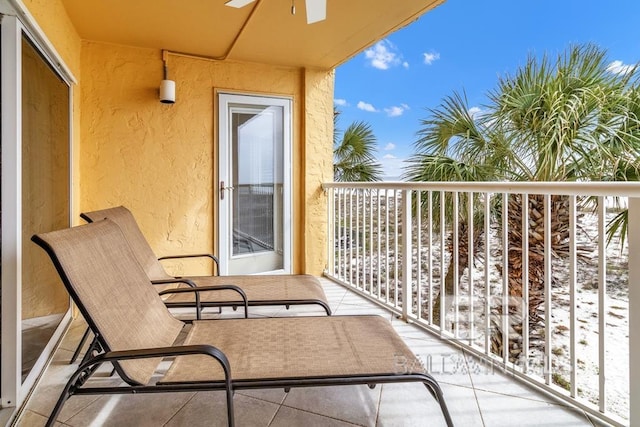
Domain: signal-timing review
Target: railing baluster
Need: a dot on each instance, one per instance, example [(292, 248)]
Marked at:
[(505, 277), (419, 254), (379, 238), (547, 289), (358, 205), (396, 259), (331, 236), (429, 257), (573, 333), (371, 257), (442, 264), (525, 282), (386, 258), (602, 303), (456, 264), (340, 231), (634, 310), (487, 274), (470, 215), (407, 254)]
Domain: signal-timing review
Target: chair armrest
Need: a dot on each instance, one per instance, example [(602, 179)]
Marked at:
[(214, 258), (87, 368), (146, 353), (198, 289)]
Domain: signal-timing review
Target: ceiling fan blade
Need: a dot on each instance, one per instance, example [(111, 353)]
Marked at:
[(238, 3), (316, 10)]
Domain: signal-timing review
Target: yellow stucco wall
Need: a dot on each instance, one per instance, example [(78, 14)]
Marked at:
[(161, 160), (318, 165)]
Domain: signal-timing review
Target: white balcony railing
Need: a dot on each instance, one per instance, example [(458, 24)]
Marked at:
[(571, 331)]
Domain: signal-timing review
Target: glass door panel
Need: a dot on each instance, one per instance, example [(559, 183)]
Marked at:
[(45, 199)]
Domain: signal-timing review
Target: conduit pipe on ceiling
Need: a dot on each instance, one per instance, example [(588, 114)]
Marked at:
[(229, 49)]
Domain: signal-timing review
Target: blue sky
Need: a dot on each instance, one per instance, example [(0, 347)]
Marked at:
[(467, 44)]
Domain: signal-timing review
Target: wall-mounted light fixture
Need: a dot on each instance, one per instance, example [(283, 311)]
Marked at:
[(167, 87)]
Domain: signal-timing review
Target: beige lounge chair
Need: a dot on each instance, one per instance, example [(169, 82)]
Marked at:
[(136, 331), (260, 290)]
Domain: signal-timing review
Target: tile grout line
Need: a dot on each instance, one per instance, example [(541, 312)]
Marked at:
[(320, 415), (274, 416), (379, 404), (181, 408), (475, 395)]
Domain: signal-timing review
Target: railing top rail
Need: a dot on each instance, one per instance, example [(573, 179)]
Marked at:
[(618, 189)]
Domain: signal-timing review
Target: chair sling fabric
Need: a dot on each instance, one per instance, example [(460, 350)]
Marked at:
[(136, 329), (260, 289)]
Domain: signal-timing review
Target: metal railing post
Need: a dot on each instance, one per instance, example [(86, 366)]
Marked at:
[(407, 250), (634, 310)]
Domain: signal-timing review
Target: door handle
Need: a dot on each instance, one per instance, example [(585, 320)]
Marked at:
[(222, 188)]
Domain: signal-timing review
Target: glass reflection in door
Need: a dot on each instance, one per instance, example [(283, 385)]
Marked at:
[(256, 180), (45, 198)]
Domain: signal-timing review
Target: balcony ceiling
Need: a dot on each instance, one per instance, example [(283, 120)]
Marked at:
[(271, 34)]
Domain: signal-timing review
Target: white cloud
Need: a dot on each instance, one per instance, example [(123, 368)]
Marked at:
[(365, 106), (383, 55), (396, 111), (405, 64), (392, 167), (618, 67), (474, 112), (390, 146), (340, 102), (430, 57)]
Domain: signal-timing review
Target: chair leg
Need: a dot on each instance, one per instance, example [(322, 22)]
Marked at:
[(66, 393), (230, 412), (436, 391), (80, 345)]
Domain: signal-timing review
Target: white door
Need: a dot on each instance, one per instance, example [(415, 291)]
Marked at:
[(254, 188)]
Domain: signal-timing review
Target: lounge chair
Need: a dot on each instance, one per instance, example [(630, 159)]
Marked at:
[(136, 331), (260, 290), (232, 291)]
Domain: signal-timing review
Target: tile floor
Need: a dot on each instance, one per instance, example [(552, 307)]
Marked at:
[(474, 399)]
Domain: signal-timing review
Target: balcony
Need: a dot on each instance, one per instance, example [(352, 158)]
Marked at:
[(567, 333), (476, 397), (552, 355)]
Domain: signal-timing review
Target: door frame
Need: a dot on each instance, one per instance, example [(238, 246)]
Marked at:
[(14, 27), (223, 99)]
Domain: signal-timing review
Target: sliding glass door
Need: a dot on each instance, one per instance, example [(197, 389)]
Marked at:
[(36, 198), (45, 198)]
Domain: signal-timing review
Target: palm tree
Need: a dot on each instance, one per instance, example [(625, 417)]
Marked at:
[(567, 120), (354, 153)]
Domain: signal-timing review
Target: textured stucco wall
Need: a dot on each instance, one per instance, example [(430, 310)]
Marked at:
[(161, 160), (318, 165)]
